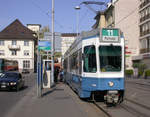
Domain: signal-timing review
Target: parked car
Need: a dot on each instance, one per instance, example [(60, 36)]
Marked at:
[(25, 71), (11, 80)]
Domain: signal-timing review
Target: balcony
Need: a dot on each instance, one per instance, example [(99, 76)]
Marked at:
[(144, 3), (14, 47), (144, 50), (144, 33)]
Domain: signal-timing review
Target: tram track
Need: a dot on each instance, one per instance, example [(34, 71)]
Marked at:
[(141, 84), (133, 111), (127, 109), (139, 104), (101, 107)]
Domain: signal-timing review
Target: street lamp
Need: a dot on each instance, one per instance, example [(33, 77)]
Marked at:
[(77, 8), (52, 43)]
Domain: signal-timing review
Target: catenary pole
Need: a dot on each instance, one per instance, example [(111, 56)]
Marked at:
[(52, 41)]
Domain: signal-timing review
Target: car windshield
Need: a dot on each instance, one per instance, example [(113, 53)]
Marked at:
[(110, 58), (9, 75)]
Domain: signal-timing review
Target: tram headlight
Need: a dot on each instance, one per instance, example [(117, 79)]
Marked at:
[(111, 84)]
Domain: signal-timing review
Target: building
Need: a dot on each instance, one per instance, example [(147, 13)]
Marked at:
[(144, 37), (18, 43), (105, 18), (123, 14), (127, 19), (67, 40), (34, 27)]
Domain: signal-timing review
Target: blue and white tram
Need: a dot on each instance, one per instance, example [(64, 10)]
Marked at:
[(94, 65)]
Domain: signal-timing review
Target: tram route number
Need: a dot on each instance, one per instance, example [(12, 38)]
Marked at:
[(111, 35)]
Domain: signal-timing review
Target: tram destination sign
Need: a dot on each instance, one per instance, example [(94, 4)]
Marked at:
[(110, 35)]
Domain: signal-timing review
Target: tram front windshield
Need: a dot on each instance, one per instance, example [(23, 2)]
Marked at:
[(110, 58)]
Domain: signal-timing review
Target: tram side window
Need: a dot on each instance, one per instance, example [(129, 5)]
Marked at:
[(74, 60), (80, 61), (90, 59), (65, 65)]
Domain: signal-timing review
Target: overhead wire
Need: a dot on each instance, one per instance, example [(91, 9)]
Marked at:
[(85, 14), (47, 14), (127, 15)]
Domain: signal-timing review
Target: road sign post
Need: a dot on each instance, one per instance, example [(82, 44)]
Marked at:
[(53, 41), (44, 45)]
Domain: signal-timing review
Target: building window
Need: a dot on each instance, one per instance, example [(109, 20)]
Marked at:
[(148, 25), (148, 42), (26, 52), (26, 64), (2, 52), (26, 43), (1, 42), (143, 43), (14, 42), (14, 52)]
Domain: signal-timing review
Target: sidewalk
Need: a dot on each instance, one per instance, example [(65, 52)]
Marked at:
[(56, 102)]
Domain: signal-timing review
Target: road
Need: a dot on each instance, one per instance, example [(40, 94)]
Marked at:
[(136, 100), (136, 103), (8, 99)]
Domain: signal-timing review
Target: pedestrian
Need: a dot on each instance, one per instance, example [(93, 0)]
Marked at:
[(56, 72), (61, 75)]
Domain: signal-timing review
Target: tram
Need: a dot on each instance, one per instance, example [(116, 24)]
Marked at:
[(94, 65)]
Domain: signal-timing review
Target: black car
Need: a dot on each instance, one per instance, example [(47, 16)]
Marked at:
[(11, 80)]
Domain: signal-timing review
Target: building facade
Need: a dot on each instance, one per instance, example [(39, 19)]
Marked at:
[(67, 40), (127, 19), (123, 14), (18, 43), (34, 27), (144, 37)]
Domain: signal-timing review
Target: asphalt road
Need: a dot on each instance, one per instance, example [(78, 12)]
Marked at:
[(136, 90), (8, 99)]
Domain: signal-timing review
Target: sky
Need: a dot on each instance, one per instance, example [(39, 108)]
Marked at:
[(39, 12)]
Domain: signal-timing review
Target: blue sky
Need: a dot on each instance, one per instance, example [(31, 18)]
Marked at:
[(39, 12)]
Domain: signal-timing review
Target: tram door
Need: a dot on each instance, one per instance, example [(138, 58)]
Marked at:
[(47, 74)]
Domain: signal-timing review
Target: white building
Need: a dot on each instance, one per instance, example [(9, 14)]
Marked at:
[(127, 19), (18, 43), (67, 40), (34, 27)]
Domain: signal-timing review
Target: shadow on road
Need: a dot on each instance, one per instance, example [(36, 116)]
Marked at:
[(13, 90)]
